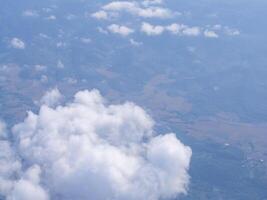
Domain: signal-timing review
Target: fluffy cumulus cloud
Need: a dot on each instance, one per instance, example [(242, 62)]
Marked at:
[(9, 164), (17, 43), (88, 149), (51, 98), (147, 9), (121, 30), (28, 186), (152, 30)]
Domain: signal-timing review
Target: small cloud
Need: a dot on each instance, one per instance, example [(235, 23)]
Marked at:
[(231, 31), (51, 98), (210, 34), (177, 29), (135, 8), (51, 17), (121, 30), (4, 68), (152, 30), (217, 27), (86, 40), (135, 43), (100, 15), (30, 13), (101, 30), (40, 67), (155, 12), (191, 31), (151, 2), (191, 49), (42, 35), (70, 17), (47, 10), (70, 80), (60, 64), (17, 43), (44, 79), (61, 44)]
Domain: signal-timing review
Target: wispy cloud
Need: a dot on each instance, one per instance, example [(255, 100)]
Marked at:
[(135, 43)]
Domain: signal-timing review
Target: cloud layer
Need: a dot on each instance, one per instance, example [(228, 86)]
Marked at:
[(88, 149)]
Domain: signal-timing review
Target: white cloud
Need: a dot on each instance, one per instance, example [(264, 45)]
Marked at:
[(217, 27), (42, 35), (121, 5), (210, 34), (101, 30), (48, 10), (154, 12), (70, 80), (152, 30), (44, 79), (100, 15), (121, 30), (191, 31), (135, 43), (182, 29), (30, 13), (231, 32), (86, 40), (225, 29), (9, 164), (28, 187), (135, 8), (17, 43), (71, 16), (51, 98), (40, 67), (60, 64), (88, 149), (177, 29), (51, 17), (151, 2), (61, 44)]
